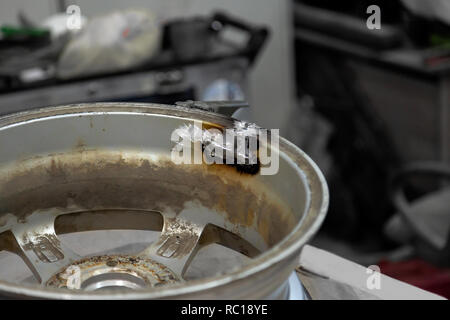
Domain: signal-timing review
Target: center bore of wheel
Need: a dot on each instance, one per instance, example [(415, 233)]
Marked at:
[(113, 272)]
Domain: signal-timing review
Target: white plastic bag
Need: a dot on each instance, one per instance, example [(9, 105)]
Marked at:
[(109, 43)]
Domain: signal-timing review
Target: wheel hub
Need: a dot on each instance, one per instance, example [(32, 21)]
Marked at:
[(113, 271)]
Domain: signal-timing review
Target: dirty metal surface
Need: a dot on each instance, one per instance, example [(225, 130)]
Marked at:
[(76, 275)]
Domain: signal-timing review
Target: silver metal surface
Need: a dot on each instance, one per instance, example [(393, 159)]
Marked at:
[(223, 107), (107, 167)]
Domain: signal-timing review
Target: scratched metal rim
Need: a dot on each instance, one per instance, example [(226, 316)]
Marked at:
[(279, 260)]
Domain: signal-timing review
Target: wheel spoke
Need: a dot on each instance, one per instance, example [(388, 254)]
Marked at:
[(41, 248), (177, 243)]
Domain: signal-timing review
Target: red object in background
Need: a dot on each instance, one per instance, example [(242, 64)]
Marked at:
[(420, 274), (125, 32)]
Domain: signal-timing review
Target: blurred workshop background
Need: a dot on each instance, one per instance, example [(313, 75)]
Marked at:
[(366, 93)]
